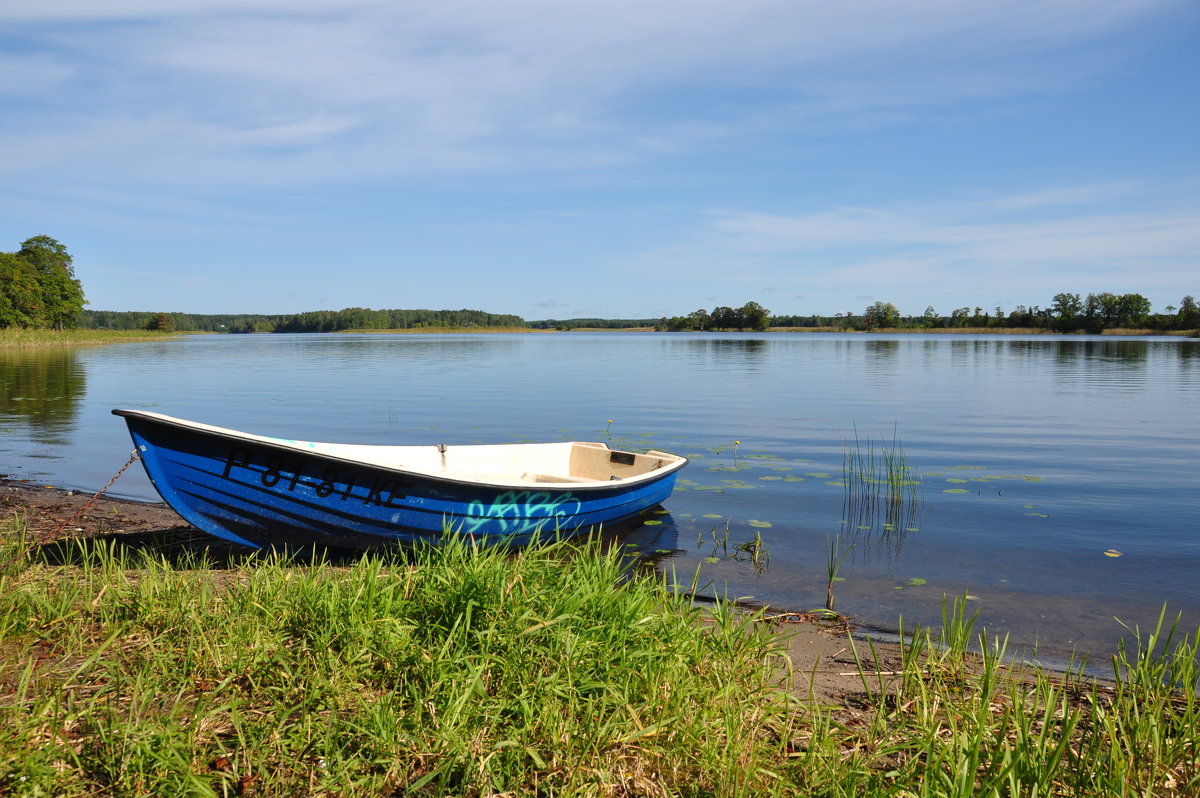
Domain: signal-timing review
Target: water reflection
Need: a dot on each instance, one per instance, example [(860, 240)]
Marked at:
[(881, 526), (1074, 446), (40, 393), (729, 347), (883, 347)]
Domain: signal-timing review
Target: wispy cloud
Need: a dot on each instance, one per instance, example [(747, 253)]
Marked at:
[(1078, 242), (373, 88)]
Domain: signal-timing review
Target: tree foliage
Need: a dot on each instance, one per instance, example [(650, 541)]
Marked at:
[(881, 314), (750, 316), (161, 322), (309, 322), (38, 287)]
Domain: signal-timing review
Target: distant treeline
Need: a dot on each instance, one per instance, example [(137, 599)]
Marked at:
[(599, 324), (312, 321), (1067, 313)]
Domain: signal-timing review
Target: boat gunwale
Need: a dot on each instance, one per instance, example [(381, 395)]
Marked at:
[(296, 448)]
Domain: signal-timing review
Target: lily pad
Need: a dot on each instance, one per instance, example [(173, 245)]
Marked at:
[(956, 490), (652, 522), (712, 559), (916, 581), (957, 481), (759, 524)]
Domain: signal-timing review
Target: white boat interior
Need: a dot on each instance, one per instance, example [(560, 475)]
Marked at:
[(573, 462), (511, 464)]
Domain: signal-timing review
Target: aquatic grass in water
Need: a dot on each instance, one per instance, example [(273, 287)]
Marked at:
[(882, 489), (21, 338), (833, 564)]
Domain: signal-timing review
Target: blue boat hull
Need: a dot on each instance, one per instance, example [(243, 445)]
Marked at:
[(258, 493)]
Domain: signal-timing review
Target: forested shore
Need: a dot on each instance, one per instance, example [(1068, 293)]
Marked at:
[(1068, 313), (39, 291)]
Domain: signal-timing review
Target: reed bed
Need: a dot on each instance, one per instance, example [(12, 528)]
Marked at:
[(549, 672), (439, 330), (883, 491), (19, 338)]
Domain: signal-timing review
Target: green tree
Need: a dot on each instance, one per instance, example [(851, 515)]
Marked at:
[(753, 316), (20, 303), (1188, 315), (1132, 310), (60, 294), (699, 319), (881, 314), (722, 318), (1068, 311), (161, 322)]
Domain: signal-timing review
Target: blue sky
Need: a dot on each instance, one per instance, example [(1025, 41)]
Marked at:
[(609, 158)]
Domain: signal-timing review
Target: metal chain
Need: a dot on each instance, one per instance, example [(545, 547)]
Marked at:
[(132, 459)]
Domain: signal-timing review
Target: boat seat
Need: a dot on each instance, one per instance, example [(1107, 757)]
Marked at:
[(552, 478)]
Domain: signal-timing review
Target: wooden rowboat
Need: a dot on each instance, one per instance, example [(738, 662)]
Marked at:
[(259, 491)]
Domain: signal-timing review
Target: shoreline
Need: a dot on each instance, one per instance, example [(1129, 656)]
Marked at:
[(23, 340), (822, 657), (227, 668)]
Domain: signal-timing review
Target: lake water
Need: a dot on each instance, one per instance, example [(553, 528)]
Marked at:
[(1038, 458)]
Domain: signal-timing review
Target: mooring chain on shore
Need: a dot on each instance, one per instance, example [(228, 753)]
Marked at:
[(74, 517)]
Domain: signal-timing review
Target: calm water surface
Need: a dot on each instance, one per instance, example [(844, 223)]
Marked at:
[(1035, 456)]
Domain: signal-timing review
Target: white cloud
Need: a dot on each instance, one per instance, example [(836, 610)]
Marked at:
[(378, 87)]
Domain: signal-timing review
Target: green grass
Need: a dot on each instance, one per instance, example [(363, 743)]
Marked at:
[(18, 338), (461, 672), (550, 672)]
